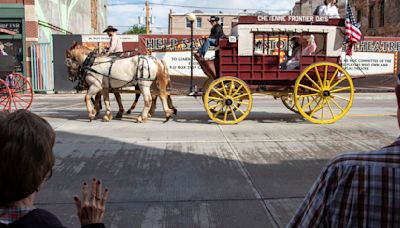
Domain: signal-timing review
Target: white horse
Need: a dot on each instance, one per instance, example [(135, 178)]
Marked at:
[(106, 73)]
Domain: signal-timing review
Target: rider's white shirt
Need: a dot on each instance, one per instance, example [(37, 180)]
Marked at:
[(115, 44), (328, 10)]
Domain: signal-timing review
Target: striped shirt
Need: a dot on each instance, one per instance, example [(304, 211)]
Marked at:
[(355, 190)]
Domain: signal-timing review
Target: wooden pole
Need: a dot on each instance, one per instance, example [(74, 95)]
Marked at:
[(147, 18)]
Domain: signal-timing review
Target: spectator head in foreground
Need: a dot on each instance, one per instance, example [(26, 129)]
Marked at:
[(26, 162)]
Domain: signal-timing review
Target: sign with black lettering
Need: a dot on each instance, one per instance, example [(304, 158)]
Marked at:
[(12, 26)]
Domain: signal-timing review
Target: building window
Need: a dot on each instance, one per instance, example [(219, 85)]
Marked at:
[(187, 23), (198, 22), (382, 14), (359, 16), (371, 17)]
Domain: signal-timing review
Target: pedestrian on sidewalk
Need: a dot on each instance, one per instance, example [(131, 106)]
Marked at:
[(26, 162), (356, 190)]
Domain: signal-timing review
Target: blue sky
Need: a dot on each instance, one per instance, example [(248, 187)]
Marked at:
[(123, 16)]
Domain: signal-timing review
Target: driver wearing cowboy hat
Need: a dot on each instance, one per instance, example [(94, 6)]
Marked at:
[(115, 41), (213, 38)]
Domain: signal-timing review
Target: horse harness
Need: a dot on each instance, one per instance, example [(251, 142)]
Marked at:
[(90, 61)]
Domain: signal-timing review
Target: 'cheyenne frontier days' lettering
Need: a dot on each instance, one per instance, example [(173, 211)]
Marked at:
[(292, 18)]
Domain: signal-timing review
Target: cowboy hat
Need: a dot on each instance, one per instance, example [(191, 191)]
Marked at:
[(110, 29), (213, 18)]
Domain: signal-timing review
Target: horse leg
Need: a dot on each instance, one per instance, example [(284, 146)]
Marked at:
[(134, 103), (153, 106), (108, 116), (171, 105), (120, 105), (145, 89), (97, 103), (91, 112)]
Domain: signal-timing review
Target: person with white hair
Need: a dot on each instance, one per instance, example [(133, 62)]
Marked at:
[(311, 46), (329, 9)]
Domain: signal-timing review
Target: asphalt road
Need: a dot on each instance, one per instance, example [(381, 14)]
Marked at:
[(191, 172)]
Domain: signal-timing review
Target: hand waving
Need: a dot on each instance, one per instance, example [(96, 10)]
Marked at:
[(93, 204)]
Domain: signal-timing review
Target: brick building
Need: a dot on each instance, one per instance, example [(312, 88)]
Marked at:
[(179, 25), (377, 17), (27, 26)]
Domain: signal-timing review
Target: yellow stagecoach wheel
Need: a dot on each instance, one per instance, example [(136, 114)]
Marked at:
[(288, 101), (223, 98), (330, 91)]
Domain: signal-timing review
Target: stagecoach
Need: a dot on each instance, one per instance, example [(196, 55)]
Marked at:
[(15, 90), (254, 59)]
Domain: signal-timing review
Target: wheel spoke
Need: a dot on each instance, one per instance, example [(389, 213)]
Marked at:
[(216, 91), (240, 96), (232, 86), (316, 109), (237, 91), (309, 104), (309, 88), (237, 108), (242, 103), (319, 77), (233, 113), (337, 105), (21, 99), (218, 112), (215, 98), (312, 81), (333, 78), (338, 82), (214, 106), (224, 89), (226, 114), (308, 95), (330, 109), (341, 89), (322, 109), (325, 75), (340, 97)]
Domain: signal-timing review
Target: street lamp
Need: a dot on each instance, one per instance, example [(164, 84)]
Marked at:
[(191, 17)]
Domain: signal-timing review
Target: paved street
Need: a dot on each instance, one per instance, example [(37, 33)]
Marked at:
[(191, 172)]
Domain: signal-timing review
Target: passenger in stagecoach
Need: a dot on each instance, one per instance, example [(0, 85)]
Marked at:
[(2, 52), (329, 9), (294, 60), (115, 41), (213, 39), (311, 46)]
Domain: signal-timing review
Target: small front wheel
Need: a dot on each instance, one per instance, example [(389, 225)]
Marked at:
[(228, 100)]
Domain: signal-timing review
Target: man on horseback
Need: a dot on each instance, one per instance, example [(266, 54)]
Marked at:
[(115, 41)]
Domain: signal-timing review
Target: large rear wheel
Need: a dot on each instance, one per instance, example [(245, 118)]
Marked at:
[(329, 90), (228, 100), (21, 91), (5, 97)]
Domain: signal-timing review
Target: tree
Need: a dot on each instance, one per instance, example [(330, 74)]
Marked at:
[(136, 29)]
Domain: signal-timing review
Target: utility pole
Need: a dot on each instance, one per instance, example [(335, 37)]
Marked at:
[(147, 18)]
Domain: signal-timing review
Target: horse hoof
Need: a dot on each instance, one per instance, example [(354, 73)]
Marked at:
[(167, 119), (118, 116), (129, 111), (175, 111)]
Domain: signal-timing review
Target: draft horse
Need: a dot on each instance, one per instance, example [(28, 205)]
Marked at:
[(103, 73)]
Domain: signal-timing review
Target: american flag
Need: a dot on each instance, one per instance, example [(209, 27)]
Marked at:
[(353, 33)]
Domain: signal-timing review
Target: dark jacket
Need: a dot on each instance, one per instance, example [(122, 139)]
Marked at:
[(40, 218), (216, 32)]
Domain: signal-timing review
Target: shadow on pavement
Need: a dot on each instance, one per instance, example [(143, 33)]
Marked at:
[(161, 184)]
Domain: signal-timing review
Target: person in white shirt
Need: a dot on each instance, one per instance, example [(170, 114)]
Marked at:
[(327, 9), (115, 41)]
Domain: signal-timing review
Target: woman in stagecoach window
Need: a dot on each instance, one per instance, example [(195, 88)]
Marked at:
[(2, 52), (311, 46), (329, 9), (294, 60)]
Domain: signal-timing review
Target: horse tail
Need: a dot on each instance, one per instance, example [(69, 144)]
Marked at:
[(166, 72)]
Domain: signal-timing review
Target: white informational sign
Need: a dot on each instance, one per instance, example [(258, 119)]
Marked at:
[(105, 38), (179, 63), (369, 63)]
